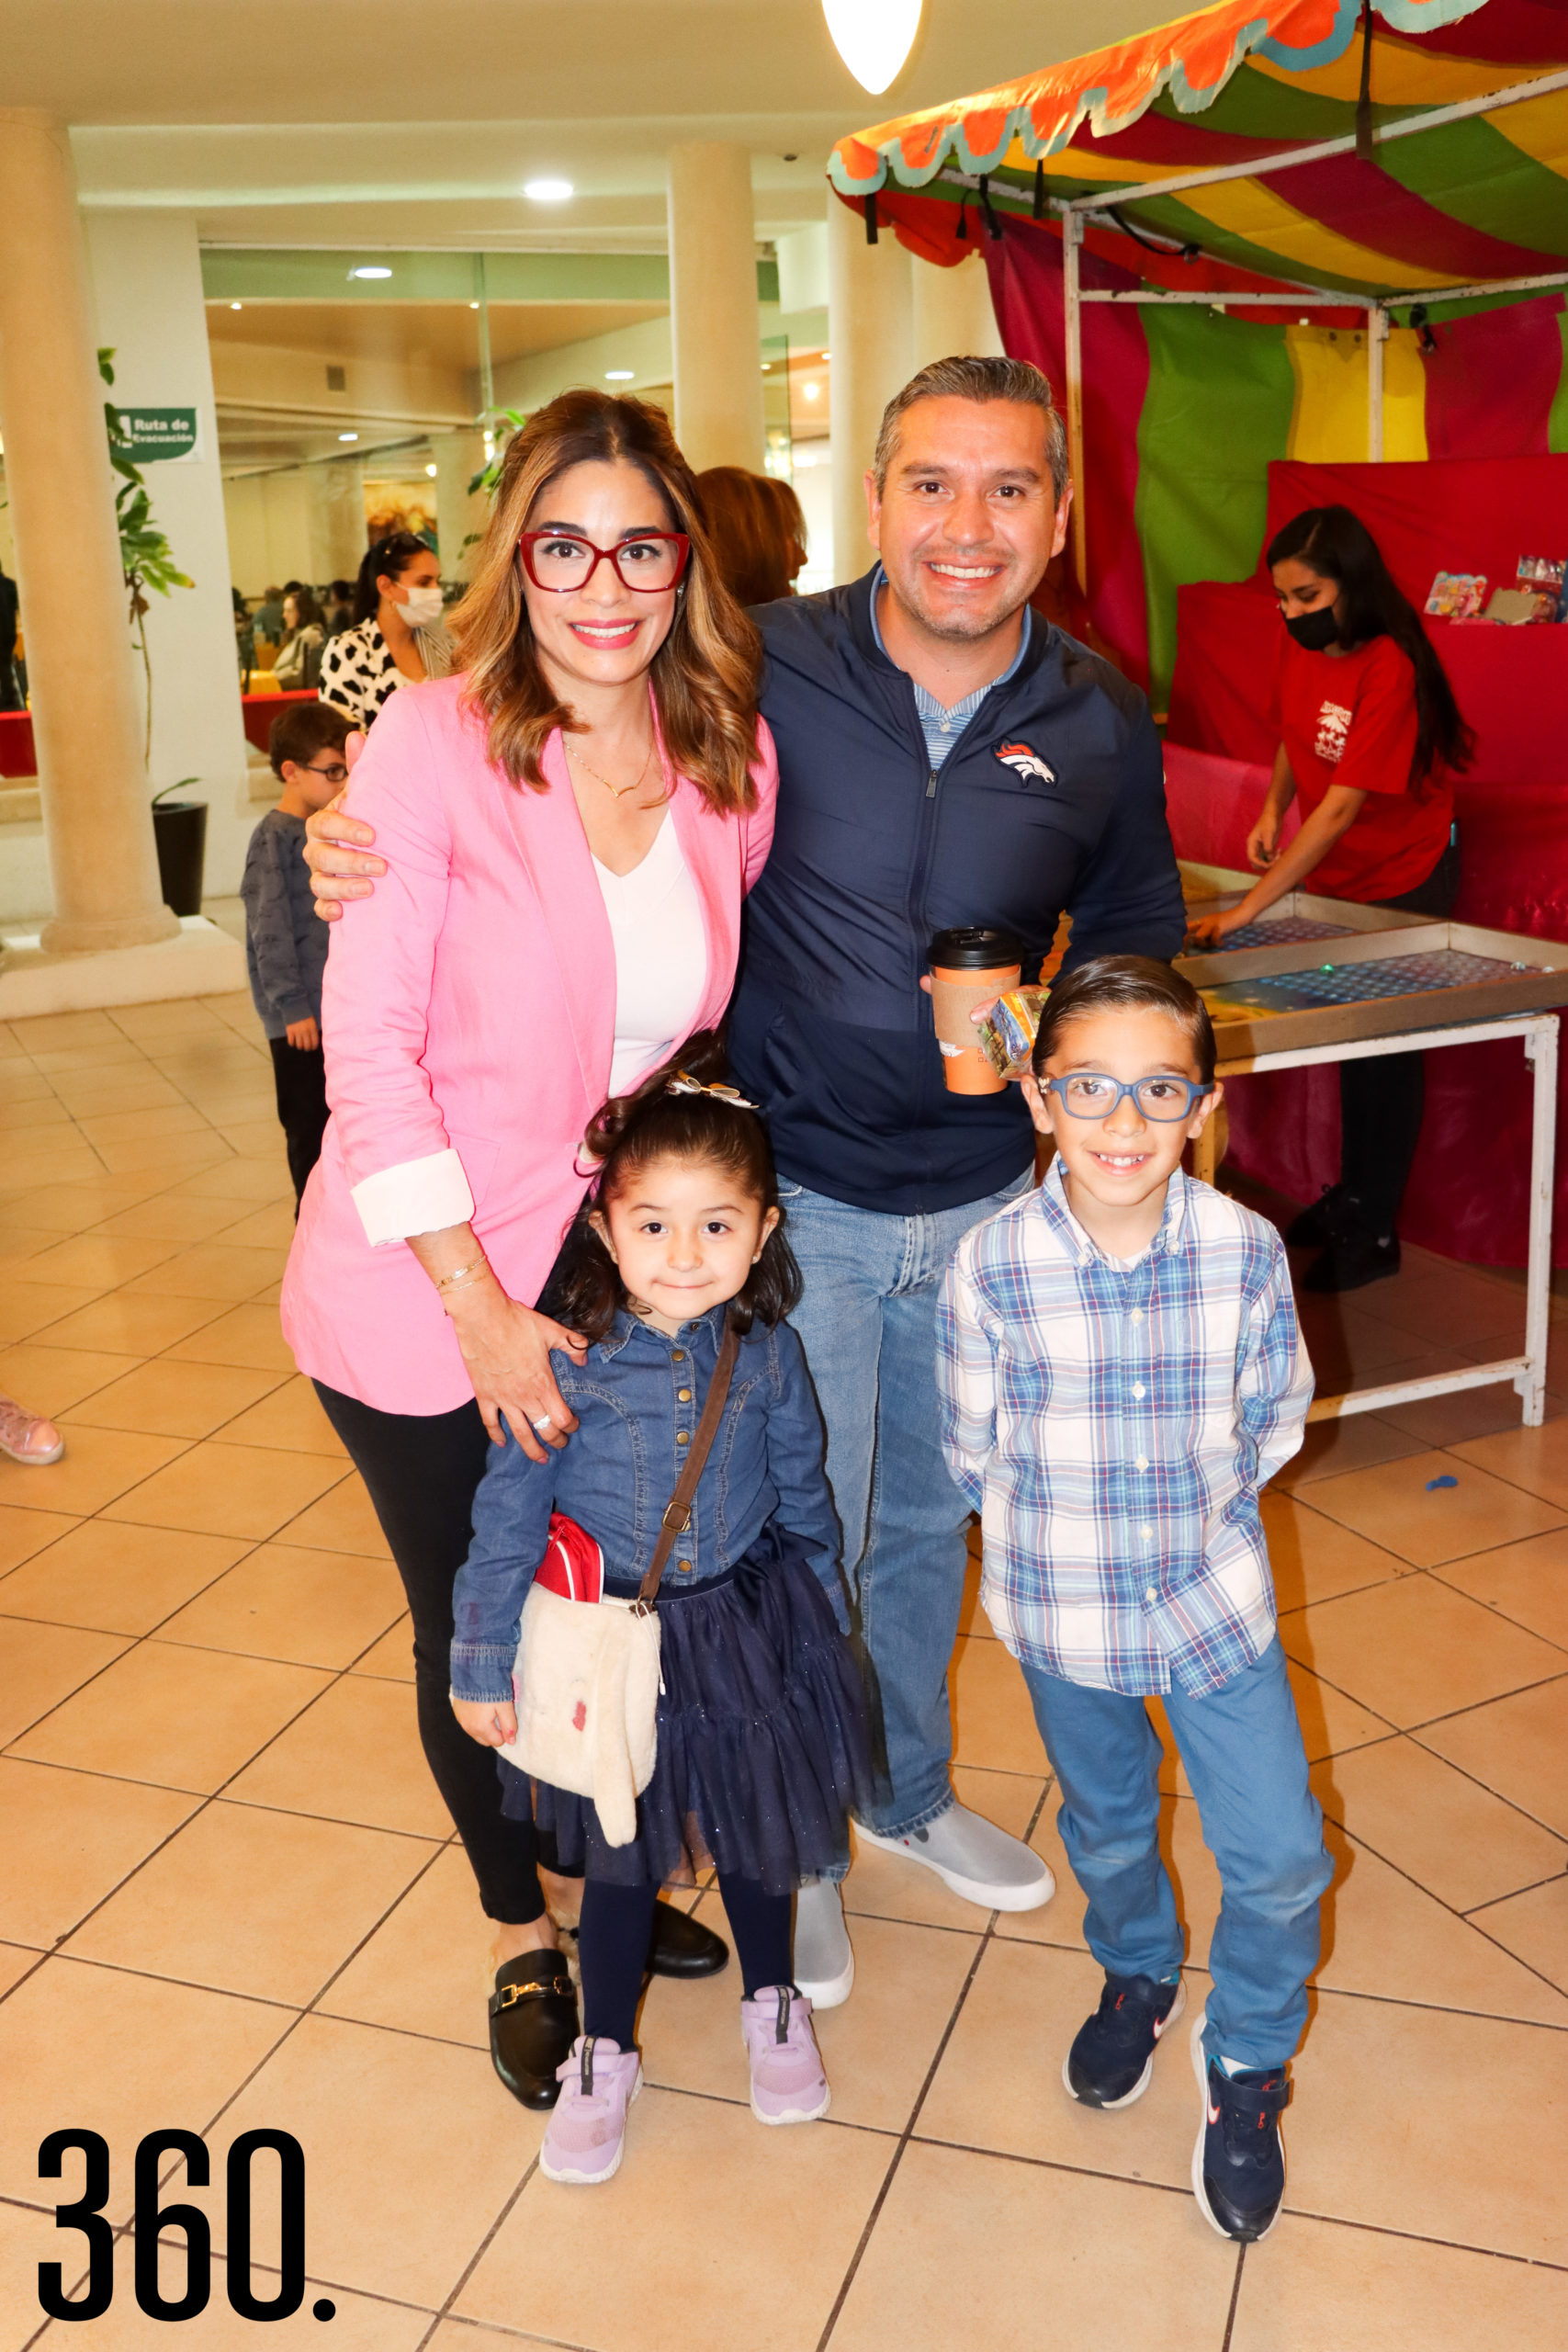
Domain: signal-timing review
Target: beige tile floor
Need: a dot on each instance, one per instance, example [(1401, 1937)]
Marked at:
[(229, 1896)]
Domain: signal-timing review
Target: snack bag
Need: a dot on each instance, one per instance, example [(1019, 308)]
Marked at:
[(1005, 1037)]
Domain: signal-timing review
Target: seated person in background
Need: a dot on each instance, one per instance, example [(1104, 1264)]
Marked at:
[(269, 615), (285, 947), (754, 545), (245, 634), (340, 607), (10, 690), (304, 636)]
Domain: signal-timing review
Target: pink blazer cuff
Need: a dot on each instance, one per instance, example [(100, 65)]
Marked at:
[(416, 1197)]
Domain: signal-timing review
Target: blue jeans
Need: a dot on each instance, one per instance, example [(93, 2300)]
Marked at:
[(868, 1325), (1241, 1747)]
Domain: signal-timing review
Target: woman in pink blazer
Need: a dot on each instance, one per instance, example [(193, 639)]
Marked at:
[(570, 827)]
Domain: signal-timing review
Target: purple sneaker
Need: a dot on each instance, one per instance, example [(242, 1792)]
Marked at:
[(788, 2084), (587, 2129)]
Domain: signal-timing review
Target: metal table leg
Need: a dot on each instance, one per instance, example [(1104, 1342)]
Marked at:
[(1540, 1048), (1528, 1371)]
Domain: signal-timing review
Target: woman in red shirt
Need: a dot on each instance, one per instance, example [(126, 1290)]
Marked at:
[(1369, 734)]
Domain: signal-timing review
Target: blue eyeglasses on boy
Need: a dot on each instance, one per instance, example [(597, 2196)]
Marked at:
[(1092, 1094)]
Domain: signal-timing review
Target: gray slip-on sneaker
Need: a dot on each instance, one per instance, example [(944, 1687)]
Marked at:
[(824, 1960), (977, 1859)]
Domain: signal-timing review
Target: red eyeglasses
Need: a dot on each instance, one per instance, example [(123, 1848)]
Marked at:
[(560, 560)]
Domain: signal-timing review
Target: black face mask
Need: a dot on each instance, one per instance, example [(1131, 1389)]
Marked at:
[(1315, 631)]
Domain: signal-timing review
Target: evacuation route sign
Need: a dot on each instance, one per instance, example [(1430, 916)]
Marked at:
[(146, 434)]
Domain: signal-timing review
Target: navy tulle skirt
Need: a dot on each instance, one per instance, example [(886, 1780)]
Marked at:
[(763, 1747)]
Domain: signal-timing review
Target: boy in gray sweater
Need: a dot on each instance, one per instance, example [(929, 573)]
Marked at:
[(286, 943)]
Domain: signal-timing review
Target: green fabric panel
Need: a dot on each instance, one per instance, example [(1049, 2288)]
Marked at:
[(1557, 415), (1470, 171), (1256, 105), (1218, 408)]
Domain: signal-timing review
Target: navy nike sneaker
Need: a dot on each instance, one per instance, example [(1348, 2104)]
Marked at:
[(1238, 2164), (1113, 2054)]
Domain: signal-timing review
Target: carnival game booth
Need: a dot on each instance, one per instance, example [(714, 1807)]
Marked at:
[(1281, 254)]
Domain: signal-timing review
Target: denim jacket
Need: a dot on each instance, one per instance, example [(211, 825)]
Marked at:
[(637, 1400)]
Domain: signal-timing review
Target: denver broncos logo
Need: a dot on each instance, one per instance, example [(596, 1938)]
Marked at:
[(1025, 761)]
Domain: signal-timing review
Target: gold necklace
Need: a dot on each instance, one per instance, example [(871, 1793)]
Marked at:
[(620, 790)]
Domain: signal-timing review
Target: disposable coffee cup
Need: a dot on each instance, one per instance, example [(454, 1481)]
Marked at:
[(970, 966)]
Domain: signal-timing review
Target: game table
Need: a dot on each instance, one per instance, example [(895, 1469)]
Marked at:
[(1322, 980)]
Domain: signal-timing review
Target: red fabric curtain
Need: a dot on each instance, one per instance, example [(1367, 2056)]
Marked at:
[(1473, 514), (1025, 269), (17, 755), (1453, 514), (1491, 380)]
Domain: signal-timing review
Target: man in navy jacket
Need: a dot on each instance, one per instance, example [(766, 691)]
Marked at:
[(945, 757)]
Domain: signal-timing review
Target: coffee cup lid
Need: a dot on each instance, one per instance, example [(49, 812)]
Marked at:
[(975, 948)]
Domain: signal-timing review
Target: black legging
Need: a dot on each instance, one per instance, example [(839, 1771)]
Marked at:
[(1382, 1100), (612, 1947), (421, 1470)]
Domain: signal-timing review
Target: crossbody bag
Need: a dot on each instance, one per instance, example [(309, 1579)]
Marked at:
[(586, 1680)]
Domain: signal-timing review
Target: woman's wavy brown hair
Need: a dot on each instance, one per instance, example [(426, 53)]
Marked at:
[(705, 673)]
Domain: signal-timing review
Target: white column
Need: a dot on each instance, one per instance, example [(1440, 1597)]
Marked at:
[(146, 272), (458, 457), (1376, 344), (713, 306), (871, 331), (334, 510), (953, 313), (86, 723), (1072, 365)]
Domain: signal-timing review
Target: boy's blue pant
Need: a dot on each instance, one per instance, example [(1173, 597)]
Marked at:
[(1241, 1747)]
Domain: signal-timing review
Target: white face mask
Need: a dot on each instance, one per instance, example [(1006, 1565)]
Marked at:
[(422, 607)]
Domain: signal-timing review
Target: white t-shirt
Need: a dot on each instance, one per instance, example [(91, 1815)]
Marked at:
[(661, 956)]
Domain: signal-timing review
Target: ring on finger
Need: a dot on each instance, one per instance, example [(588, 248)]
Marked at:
[(543, 1423)]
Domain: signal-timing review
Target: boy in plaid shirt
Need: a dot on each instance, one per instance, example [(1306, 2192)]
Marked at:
[(1121, 1373)]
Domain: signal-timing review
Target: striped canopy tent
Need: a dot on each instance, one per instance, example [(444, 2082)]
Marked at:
[(1273, 221)]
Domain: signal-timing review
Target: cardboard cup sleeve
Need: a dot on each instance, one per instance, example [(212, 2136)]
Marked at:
[(952, 1001)]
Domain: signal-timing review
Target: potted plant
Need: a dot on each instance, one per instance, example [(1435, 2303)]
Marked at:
[(145, 555), (179, 828), (148, 561)]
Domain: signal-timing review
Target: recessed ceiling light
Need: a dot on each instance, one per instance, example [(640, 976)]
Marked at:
[(548, 191), (349, 436), (812, 392), (239, 306), (620, 376), (473, 306), (767, 367), (371, 269), (431, 471)]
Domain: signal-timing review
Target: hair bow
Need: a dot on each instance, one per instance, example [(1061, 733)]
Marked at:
[(683, 1084)]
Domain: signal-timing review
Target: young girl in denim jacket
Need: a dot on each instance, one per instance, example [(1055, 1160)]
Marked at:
[(761, 1747)]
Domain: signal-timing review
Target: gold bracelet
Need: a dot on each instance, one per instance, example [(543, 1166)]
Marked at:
[(462, 1277)]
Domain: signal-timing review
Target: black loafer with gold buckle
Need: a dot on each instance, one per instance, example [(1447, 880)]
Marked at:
[(533, 2024)]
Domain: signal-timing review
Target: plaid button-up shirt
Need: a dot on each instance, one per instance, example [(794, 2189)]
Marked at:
[(1114, 1425)]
